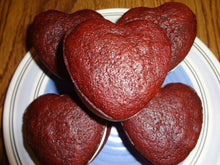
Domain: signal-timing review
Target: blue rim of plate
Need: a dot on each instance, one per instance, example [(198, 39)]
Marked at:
[(114, 147)]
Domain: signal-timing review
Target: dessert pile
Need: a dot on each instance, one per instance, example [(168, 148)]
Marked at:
[(117, 70)]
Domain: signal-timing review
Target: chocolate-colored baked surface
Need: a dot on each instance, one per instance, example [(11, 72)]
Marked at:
[(117, 69), (47, 32), (59, 132), (177, 20), (168, 128)]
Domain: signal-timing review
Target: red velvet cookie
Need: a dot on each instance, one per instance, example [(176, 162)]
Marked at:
[(48, 30), (168, 128), (177, 20), (117, 69), (60, 132)]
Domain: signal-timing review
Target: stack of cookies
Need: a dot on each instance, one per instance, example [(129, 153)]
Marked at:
[(117, 70)]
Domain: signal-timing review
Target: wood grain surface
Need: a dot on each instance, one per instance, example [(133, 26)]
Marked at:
[(16, 17)]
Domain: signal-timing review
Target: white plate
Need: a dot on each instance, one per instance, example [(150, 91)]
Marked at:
[(200, 69)]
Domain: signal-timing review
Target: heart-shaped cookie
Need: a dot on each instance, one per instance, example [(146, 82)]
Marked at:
[(168, 128), (117, 69), (60, 132), (47, 32), (177, 20)]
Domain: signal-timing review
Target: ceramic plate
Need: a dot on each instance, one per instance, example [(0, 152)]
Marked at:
[(200, 69)]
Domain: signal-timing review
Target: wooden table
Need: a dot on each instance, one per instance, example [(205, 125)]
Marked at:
[(17, 15)]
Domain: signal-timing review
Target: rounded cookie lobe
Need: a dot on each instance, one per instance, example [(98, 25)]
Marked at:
[(59, 132), (168, 128), (117, 69), (177, 20), (47, 32)]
